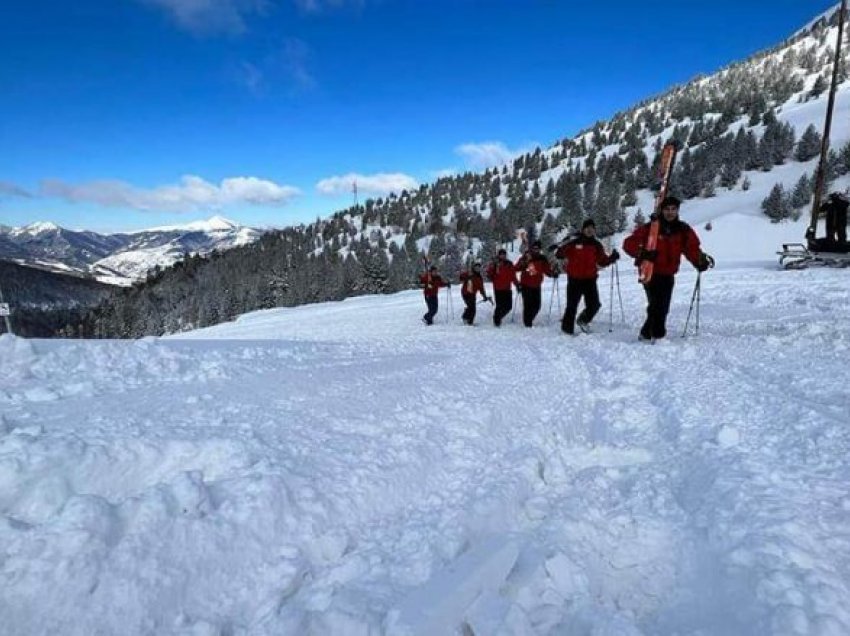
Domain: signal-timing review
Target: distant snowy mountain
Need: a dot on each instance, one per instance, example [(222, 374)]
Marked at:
[(118, 258)]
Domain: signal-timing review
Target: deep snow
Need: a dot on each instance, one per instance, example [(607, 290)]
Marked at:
[(343, 469)]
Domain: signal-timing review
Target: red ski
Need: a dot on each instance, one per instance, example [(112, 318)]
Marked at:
[(665, 169)]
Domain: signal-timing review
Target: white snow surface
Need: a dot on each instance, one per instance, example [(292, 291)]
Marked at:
[(213, 224), (342, 469)]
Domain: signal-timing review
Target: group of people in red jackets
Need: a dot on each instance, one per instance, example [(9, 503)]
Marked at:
[(582, 257)]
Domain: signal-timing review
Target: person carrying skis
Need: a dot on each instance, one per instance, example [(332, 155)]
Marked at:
[(675, 238), (583, 255), (431, 282), (471, 283), (502, 274), (532, 267)]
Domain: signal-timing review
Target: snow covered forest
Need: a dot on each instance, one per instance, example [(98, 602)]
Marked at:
[(750, 138)]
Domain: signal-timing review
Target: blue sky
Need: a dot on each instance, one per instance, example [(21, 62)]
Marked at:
[(128, 114)]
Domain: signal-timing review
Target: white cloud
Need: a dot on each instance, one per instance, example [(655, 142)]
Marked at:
[(289, 62), (210, 17), (296, 59), (489, 154), (380, 184), (316, 6), (445, 172), (13, 190), (192, 193), (215, 17), (251, 77)]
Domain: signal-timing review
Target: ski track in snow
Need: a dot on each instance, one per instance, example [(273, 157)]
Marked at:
[(341, 469)]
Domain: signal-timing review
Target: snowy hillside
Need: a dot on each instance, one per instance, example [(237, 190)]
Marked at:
[(341, 469), (162, 247), (119, 259)]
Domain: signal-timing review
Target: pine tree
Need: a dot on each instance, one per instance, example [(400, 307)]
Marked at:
[(818, 87), (802, 193), (777, 205), (844, 159), (809, 145), (588, 198)]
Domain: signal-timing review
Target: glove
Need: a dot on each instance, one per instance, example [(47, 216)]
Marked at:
[(705, 262), (553, 247), (615, 255), (519, 288), (556, 274), (449, 285), (647, 255)]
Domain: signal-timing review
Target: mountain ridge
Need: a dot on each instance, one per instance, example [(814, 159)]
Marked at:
[(122, 257)]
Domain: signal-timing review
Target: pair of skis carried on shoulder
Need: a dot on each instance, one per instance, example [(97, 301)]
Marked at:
[(665, 171)]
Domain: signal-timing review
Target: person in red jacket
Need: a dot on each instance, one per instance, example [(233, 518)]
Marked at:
[(470, 284), (431, 282), (675, 238), (502, 274), (583, 256), (532, 267)]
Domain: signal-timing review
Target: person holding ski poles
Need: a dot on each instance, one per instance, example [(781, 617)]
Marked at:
[(532, 267), (675, 238), (583, 255), (471, 283), (431, 282), (502, 274)]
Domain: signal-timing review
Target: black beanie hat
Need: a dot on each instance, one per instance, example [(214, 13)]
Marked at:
[(670, 200), (588, 223)]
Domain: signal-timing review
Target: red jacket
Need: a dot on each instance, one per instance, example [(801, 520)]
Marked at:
[(584, 256), (431, 283), (502, 273), (471, 284), (674, 239), (532, 268)]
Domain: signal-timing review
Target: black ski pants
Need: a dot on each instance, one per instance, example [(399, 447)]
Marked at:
[(530, 304), (841, 225), (836, 223), (659, 291), (433, 304), (578, 288), (504, 304), (468, 313)]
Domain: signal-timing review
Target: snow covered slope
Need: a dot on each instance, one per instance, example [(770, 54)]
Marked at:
[(119, 258), (342, 469)]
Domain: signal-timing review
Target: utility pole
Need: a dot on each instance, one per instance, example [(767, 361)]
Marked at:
[(820, 175)]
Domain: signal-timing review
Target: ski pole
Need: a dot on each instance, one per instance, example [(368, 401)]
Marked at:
[(619, 293), (558, 293), (699, 294), (611, 303), (694, 298), (551, 298)]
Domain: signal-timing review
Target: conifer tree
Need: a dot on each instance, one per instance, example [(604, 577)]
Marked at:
[(809, 145), (802, 193), (777, 205)]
